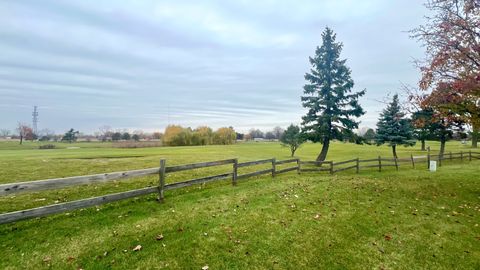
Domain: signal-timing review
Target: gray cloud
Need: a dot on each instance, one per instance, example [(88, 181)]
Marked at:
[(145, 64)]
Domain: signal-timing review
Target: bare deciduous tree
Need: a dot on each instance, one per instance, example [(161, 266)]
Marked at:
[(4, 132), (104, 132), (24, 132)]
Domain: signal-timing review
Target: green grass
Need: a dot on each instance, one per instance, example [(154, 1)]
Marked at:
[(410, 219)]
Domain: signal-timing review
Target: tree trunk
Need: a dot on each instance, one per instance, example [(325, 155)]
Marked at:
[(323, 154), (423, 145), (475, 136), (21, 139), (394, 150), (443, 140)]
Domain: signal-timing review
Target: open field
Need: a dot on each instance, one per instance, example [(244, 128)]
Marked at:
[(86, 158), (390, 220)]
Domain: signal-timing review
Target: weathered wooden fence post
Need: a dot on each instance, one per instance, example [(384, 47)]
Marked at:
[(161, 180), (331, 167), (274, 167), (451, 155), (298, 166), (235, 172), (413, 161), (379, 164), (358, 165), (470, 155)]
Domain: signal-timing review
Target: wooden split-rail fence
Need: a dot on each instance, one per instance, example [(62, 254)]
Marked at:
[(163, 170)]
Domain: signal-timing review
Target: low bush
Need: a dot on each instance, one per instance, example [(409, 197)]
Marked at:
[(47, 146)]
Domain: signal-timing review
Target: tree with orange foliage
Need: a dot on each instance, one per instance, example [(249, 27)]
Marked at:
[(202, 136), (451, 69), (225, 135), (176, 136)]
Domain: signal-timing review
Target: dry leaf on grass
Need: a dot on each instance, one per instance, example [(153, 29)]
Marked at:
[(137, 248), (205, 267), (159, 237)]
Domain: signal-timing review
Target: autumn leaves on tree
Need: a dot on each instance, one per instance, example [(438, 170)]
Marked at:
[(179, 136), (451, 70)]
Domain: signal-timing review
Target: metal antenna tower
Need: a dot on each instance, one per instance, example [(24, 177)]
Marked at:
[(35, 119)]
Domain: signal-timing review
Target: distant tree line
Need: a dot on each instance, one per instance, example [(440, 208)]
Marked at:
[(176, 135), (106, 133), (274, 134)]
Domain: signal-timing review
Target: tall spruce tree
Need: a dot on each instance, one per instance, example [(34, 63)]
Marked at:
[(394, 128), (328, 96)]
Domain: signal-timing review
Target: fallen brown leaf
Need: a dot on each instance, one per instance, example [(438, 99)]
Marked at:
[(388, 237), (137, 248), (159, 237)]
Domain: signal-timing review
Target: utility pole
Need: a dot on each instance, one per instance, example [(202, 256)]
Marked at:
[(35, 120)]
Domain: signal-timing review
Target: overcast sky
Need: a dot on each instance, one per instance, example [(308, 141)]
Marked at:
[(145, 64)]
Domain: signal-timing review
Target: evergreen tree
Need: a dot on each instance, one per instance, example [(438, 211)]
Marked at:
[(117, 136), (369, 135), (292, 138), (126, 136), (424, 126), (328, 96), (393, 128), (70, 136), (136, 137)]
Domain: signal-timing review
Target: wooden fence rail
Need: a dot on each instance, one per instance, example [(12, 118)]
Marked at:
[(163, 170), (186, 167), (246, 175), (287, 161), (68, 206), (256, 162), (344, 162), (11, 188)]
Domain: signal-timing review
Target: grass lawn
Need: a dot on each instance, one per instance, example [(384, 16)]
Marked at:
[(410, 219)]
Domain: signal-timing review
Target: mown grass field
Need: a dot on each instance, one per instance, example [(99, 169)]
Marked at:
[(410, 219)]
